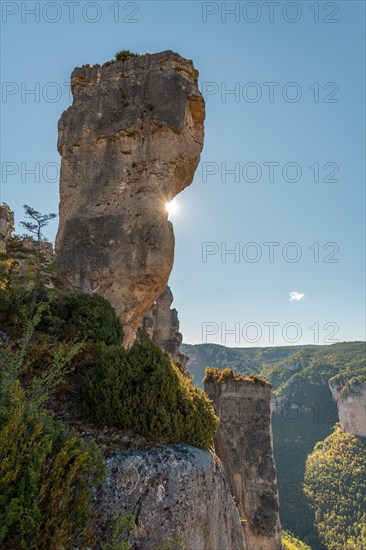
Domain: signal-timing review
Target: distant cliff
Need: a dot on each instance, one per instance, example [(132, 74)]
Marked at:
[(350, 394)]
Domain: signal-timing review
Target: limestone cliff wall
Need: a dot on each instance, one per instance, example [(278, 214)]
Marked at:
[(129, 143), (244, 445), (174, 492), (350, 395), (336, 385)]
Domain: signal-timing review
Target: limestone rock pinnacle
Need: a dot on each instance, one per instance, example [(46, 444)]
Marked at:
[(129, 143)]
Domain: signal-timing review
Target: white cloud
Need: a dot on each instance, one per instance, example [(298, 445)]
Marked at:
[(297, 296)]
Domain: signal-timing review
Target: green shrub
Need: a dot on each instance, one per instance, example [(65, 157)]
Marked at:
[(104, 384), (142, 391), (16, 308), (79, 317), (72, 317), (169, 544), (224, 375), (121, 527), (125, 54), (200, 422), (46, 470), (45, 476)]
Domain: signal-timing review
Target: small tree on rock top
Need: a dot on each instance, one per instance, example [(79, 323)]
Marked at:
[(37, 223)]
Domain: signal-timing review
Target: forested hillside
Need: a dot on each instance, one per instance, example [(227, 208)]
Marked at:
[(335, 483), (304, 409)]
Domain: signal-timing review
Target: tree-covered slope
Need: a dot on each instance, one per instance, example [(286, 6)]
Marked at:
[(335, 483), (292, 543)]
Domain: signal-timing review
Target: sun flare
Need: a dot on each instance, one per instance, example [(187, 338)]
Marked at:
[(171, 207)]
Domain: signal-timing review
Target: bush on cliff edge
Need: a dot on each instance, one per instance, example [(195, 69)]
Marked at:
[(86, 317), (141, 391), (122, 55), (46, 469)]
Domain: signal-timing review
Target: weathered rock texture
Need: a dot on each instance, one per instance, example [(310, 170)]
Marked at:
[(129, 143), (336, 385), (350, 394), (174, 492), (6, 224), (244, 445), (162, 324)]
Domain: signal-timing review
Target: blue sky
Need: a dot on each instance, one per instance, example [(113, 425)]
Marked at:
[(299, 83)]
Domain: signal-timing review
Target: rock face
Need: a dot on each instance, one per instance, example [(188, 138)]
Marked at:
[(336, 385), (174, 492), (351, 402), (244, 445), (162, 324), (130, 142), (6, 223)]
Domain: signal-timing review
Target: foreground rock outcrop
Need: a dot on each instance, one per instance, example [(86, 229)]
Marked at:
[(244, 445), (130, 142), (350, 395), (175, 492)]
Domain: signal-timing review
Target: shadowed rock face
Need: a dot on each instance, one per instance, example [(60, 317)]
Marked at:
[(174, 492), (162, 324), (244, 445), (130, 142)]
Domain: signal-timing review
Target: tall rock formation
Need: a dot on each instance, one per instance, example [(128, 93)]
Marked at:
[(129, 143), (162, 324), (244, 445), (6, 225)]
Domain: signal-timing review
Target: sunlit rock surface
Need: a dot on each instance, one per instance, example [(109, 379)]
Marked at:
[(350, 394), (129, 143)]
